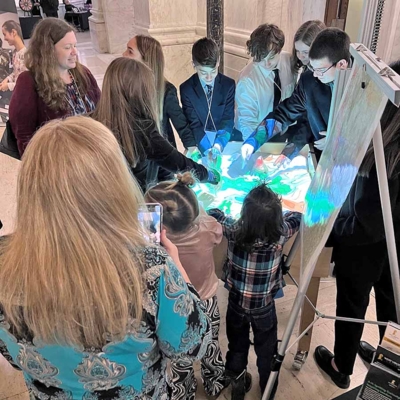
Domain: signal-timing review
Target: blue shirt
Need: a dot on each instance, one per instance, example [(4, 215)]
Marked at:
[(135, 368)]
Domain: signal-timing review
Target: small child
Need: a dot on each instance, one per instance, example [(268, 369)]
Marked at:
[(254, 276), (195, 234)]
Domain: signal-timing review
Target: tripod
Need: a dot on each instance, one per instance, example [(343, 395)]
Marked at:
[(371, 83)]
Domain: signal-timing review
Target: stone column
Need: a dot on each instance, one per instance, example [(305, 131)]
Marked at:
[(98, 30), (215, 26), (173, 23)]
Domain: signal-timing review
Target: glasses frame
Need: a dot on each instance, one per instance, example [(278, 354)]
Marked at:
[(319, 72)]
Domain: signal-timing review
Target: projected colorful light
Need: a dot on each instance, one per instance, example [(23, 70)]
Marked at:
[(239, 177)]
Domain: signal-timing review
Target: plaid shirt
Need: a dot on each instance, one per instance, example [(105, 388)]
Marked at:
[(254, 278)]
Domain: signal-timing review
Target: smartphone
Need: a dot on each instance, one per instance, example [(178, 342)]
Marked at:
[(150, 217)]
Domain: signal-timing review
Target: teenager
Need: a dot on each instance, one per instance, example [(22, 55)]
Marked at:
[(361, 257), (313, 94), (208, 99), (265, 81), (149, 50)]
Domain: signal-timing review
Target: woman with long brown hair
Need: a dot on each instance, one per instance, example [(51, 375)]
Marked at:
[(88, 307), (56, 85), (149, 50), (127, 108)]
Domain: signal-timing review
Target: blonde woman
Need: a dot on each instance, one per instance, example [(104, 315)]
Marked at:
[(88, 308), (56, 85), (149, 50)]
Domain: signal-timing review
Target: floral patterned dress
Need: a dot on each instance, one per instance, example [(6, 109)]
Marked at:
[(135, 368)]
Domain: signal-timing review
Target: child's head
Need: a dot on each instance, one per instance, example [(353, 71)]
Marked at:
[(180, 205), (261, 217), (265, 45), (205, 57), (329, 51), (12, 32)]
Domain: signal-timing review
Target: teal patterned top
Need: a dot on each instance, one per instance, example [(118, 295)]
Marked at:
[(135, 368)]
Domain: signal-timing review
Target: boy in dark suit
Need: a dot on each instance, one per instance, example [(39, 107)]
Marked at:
[(208, 100)]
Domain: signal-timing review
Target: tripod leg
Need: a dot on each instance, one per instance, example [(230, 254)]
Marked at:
[(307, 317)]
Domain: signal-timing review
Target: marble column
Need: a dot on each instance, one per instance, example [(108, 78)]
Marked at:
[(215, 26), (98, 30), (173, 24)]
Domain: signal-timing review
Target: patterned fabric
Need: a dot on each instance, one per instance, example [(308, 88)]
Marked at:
[(209, 92), (254, 277), (173, 324), (183, 381), (18, 62), (77, 104)]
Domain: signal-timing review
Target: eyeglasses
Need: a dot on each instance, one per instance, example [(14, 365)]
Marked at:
[(320, 71)]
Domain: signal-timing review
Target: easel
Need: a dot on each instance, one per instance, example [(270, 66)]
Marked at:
[(389, 84)]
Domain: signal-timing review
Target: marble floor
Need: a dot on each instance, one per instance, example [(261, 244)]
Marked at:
[(307, 384)]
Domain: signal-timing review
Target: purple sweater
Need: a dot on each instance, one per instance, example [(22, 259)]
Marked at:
[(28, 112)]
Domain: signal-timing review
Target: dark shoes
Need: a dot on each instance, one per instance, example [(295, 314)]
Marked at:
[(241, 384), (324, 357), (226, 382), (366, 351)]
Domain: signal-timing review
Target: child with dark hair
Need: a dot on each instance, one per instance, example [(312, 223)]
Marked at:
[(195, 234), (329, 51), (254, 276), (208, 100)]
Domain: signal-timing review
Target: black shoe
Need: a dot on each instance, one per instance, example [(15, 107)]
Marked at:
[(323, 358), (366, 352), (225, 382), (241, 384)]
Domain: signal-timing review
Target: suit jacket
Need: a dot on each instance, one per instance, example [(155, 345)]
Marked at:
[(311, 97), (194, 105), (173, 113)]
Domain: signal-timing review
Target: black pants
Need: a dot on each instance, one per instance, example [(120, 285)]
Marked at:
[(264, 324), (358, 270), (51, 13)]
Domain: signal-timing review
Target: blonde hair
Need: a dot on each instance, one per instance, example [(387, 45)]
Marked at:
[(41, 60), (151, 51), (72, 270), (127, 106), (180, 205)]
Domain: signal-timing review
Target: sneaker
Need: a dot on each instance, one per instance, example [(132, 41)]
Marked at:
[(323, 358), (366, 351)]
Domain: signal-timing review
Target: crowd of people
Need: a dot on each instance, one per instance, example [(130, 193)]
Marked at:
[(89, 307)]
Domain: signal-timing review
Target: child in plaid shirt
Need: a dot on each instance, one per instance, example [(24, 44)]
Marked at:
[(254, 276)]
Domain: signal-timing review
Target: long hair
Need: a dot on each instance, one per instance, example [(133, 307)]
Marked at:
[(41, 60), (152, 54), (10, 25), (127, 105), (180, 205), (306, 33), (390, 125), (260, 219), (71, 271)]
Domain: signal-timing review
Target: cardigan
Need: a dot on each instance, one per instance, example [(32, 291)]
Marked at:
[(28, 112)]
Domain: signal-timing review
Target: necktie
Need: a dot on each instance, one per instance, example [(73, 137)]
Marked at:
[(277, 88), (209, 91)]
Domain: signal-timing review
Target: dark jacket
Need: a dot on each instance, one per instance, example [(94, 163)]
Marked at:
[(49, 5), (194, 105), (310, 96), (173, 113), (28, 112), (160, 153)]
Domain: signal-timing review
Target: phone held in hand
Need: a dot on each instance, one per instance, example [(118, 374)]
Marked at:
[(150, 217)]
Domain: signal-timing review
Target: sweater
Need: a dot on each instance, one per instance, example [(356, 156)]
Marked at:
[(28, 112)]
